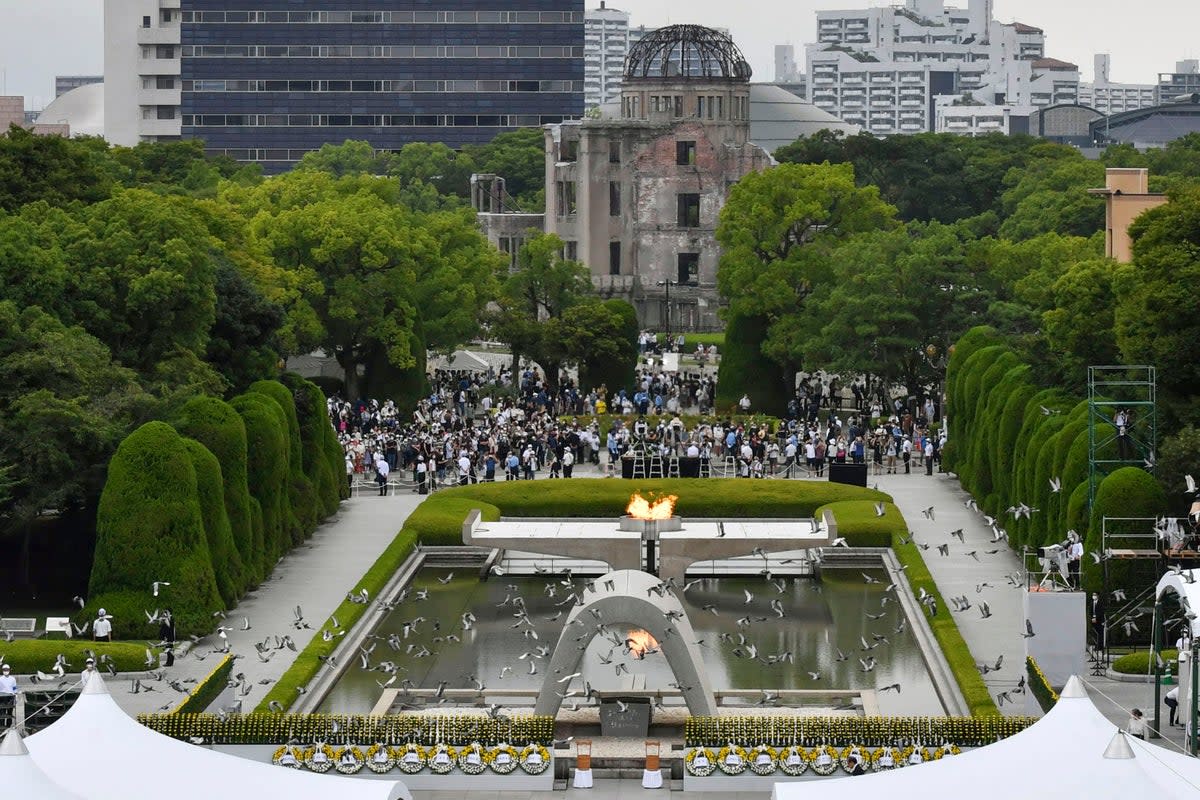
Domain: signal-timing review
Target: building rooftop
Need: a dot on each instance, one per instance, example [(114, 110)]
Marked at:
[(1053, 63), (1021, 27)]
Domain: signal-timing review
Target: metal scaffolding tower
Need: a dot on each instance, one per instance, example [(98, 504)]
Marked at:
[(1122, 421)]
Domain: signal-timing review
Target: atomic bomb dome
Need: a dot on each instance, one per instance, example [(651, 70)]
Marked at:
[(686, 52)]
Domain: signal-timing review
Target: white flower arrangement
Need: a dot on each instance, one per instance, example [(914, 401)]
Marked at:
[(535, 759), (700, 761), (793, 760)]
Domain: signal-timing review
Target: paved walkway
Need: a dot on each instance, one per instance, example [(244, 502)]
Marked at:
[(960, 574), (314, 576)]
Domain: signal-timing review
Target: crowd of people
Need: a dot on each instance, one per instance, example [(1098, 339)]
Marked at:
[(489, 426)]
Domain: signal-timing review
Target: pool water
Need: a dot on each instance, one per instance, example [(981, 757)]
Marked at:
[(821, 616)]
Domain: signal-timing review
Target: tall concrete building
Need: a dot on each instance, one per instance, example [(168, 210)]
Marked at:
[(1108, 97), (786, 68), (636, 196), (276, 79), (607, 37), (142, 70), (1184, 81), (902, 69)]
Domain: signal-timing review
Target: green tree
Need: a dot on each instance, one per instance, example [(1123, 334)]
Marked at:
[(611, 359), (540, 290), (1157, 317), (520, 158), (1051, 195), (894, 297), (433, 164), (351, 157), (1079, 326), (778, 232), (50, 168)]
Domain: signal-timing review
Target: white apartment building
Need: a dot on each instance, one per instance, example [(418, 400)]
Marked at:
[(884, 68), (142, 73), (1184, 81), (1113, 98), (971, 119), (607, 37)]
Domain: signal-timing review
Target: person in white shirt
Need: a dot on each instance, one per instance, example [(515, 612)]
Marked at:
[(382, 470), (8, 684), (1172, 702), (464, 470), (1136, 725), (102, 627), (568, 462), (1074, 557)]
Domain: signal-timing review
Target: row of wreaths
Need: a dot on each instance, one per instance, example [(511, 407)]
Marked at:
[(471, 759), (794, 760)]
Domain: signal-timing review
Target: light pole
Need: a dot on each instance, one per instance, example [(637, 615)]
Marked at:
[(668, 283)]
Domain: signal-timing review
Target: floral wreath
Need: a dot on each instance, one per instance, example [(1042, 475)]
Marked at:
[(705, 767), (886, 758), (862, 753), (325, 764), (473, 766), (380, 765), (355, 764), (761, 766), (825, 759), (295, 762), (792, 760), (502, 765), (947, 749), (406, 762), (541, 764), (737, 765), (913, 754), (441, 766)]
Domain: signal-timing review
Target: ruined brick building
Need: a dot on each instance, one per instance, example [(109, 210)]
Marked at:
[(636, 192)]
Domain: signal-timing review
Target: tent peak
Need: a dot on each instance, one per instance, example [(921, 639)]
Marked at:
[(1118, 747), (1074, 688), (12, 744), (93, 683)]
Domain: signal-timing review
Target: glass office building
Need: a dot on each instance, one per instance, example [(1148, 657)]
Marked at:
[(269, 80)]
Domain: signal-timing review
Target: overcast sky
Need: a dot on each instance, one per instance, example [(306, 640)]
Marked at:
[(43, 38)]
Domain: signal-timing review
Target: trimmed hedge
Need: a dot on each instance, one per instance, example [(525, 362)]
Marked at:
[(860, 526), (1006, 448), (301, 494), (307, 662), (208, 690), (149, 527), (267, 471), (227, 564), (1128, 492), (217, 426), (1139, 663), (745, 370), (324, 474), (212, 514), (29, 655)]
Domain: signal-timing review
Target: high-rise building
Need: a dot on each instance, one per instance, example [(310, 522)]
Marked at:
[(786, 69), (276, 79), (607, 39), (1113, 98), (142, 69), (886, 68), (1184, 81), (65, 83)]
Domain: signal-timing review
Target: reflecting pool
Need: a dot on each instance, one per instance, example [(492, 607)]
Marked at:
[(466, 631)]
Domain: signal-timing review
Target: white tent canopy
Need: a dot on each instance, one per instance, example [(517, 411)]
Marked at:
[(1185, 584), (1071, 752), (20, 776), (98, 752)]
